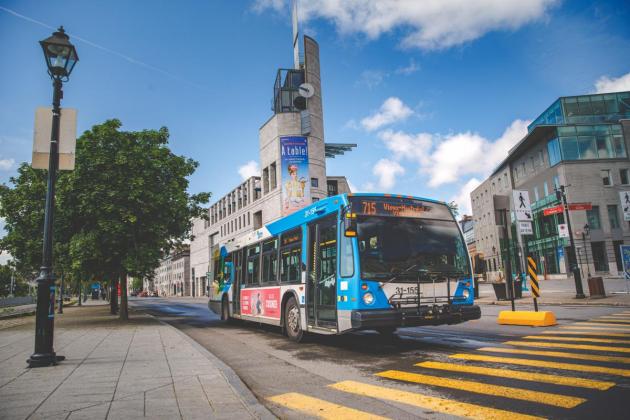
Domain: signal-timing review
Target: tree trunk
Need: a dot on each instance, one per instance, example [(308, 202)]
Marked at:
[(113, 297), (124, 310), (80, 292)]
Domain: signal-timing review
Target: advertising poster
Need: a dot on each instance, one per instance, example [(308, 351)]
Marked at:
[(261, 302), (625, 257), (296, 191)]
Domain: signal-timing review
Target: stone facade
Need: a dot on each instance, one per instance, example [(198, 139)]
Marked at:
[(172, 277)]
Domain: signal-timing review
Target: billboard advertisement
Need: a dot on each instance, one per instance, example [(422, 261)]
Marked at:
[(296, 192), (261, 302)]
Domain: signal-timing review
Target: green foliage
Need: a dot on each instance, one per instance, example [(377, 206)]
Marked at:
[(125, 204), (454, 208), (136, 284)]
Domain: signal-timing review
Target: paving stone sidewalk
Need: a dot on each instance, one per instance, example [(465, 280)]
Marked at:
[(118, 370)]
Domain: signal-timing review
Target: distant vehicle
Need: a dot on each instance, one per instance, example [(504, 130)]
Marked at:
[(155, 294), (349, 262), (143, 293), (134, 293)]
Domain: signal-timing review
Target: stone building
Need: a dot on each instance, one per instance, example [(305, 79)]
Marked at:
[(581, 143), (260, 199), (172, 277)]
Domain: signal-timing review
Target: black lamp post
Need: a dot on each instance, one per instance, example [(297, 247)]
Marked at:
[(577, 277), (61, 56), (585, 233)]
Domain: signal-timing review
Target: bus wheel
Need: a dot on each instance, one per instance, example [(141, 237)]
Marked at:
[(292, 320)]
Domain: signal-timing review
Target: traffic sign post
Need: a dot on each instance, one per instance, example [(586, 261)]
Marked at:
[(533, 277)]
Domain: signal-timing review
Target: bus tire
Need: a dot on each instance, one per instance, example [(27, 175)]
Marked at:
[(292, 322), (387, 332)]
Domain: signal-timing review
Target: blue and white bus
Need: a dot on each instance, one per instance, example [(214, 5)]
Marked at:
[(349, 262)]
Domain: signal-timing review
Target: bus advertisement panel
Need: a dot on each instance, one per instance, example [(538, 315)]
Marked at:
[(261, 302), (296, 192)]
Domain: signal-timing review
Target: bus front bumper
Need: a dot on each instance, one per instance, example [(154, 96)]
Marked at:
[(414, 317)]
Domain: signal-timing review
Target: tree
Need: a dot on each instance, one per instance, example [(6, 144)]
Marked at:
[(9, 276), (123, 206), (454, 208), (136, 284)]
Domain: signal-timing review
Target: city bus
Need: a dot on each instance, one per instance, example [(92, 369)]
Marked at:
[(346, 263)]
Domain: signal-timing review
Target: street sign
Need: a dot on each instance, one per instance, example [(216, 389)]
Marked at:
[(522, 206), (552, 210), (624, 197), (580, 206), (525, 228), (563, 230), (67, 138)]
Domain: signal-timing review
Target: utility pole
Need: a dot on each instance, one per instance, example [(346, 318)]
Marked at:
[(577, 276), (508, 262)]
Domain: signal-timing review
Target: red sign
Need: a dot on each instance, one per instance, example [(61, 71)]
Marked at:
[(580, 206), (261, 302), (552, 210)]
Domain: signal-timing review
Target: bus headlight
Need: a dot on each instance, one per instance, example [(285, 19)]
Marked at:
[(368, 298)]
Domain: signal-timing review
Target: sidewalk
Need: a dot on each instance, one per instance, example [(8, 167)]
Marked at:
[(562, 292), (118, 370)]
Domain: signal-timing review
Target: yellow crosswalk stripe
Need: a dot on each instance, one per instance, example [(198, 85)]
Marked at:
[(320, 408), (568, 346), (604, 325), (440, 405), (610, 321), (560, 354), (594, 328), (543, 364), (556, 400), (621, 315), (517, 374), (587, 339), (586, 331)]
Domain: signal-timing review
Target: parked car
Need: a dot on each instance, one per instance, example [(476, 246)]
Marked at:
[(134, 293), (143, 293), (154, 294)]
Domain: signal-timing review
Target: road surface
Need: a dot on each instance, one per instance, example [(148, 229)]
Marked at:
[(479, 369)]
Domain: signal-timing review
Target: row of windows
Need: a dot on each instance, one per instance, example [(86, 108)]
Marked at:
[(587, 142), (267, 262), (594, 220), (608, 179), (237, 224), (234, 201)]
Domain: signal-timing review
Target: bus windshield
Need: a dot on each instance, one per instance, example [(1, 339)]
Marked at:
[(406, 249)]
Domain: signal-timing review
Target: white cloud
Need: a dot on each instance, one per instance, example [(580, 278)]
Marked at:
[(462, 198), (6, 164), (387, 170), (427, 24), (409, 69), (605, 84), (391, 111), (469, 153), (408, 146), (248, 170), (372, 78)]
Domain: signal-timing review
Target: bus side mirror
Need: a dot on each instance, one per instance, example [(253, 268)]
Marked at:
[(351, 225)]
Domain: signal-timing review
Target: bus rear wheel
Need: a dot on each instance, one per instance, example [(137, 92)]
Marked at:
[(292, 323)]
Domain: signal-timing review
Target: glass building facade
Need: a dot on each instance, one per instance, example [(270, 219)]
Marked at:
[(586, 109), (583, 142)]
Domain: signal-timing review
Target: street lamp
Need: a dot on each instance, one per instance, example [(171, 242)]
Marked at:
[(585, 233), (61, 57)]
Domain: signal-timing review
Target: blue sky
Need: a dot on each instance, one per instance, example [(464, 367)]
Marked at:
[(434, 93)]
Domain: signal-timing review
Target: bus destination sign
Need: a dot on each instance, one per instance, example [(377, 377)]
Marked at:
[(398, 207)]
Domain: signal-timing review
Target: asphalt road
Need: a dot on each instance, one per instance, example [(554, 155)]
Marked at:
[(579, 369)]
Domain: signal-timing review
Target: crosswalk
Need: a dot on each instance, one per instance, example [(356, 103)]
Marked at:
[(545, 375)]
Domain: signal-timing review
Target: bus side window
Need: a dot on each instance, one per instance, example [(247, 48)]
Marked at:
[(270, 260), (290, 256), (253, 264)]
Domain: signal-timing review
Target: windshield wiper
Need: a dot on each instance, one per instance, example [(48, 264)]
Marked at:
[(405, 271)]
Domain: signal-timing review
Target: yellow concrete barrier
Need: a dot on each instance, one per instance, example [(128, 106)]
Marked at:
[(527, 318)]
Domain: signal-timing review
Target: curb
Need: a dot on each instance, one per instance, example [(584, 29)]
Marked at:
[(17, 314), (567, 303), (249, 400)]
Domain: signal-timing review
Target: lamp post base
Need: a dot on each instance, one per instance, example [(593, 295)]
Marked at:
[(44, 359), (580, 296)]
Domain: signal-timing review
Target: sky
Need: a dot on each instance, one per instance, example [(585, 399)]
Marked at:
[(433, 92)]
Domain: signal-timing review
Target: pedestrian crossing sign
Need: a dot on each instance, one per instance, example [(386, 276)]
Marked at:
[(522, 206)]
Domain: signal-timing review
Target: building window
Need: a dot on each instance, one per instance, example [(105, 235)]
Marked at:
[(536, 197), (315, 199), (545, 188), (272, 175), (623, 176), (606, 179), (265, 180), (613, 216), (556, 181), (314, 182), (592, 217), (599, 256)]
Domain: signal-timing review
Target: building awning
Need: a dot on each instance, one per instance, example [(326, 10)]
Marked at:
[(336, 149)]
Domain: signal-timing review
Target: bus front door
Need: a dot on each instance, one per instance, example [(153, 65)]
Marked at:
[(238, 278), (322, 273)]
